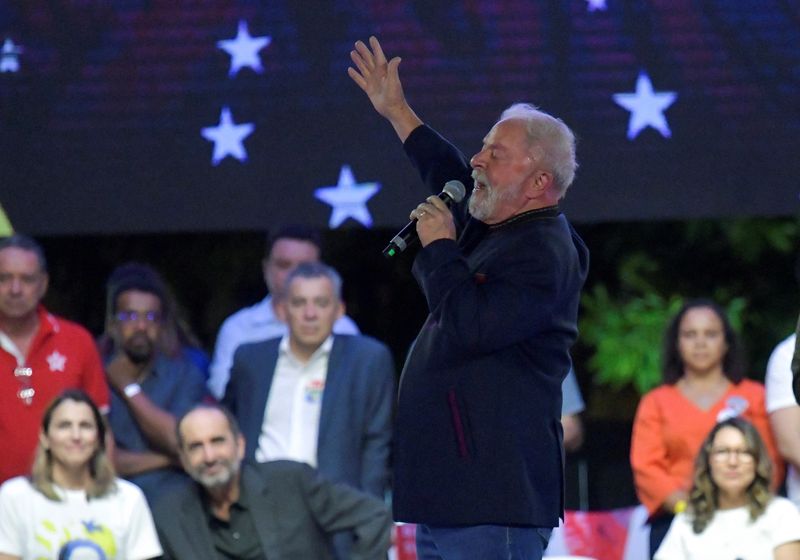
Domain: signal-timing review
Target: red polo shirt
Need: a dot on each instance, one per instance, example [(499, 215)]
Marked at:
[(62, 356)]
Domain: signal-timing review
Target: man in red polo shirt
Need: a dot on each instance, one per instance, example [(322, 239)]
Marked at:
[(40, 354)]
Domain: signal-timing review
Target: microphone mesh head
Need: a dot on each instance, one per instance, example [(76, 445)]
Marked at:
[(455, 190)]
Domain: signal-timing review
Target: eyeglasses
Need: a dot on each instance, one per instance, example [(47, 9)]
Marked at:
[(135, 316), (26, 391), (724, 454)]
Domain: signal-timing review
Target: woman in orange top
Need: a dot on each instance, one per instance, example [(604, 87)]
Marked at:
[(703, 384)]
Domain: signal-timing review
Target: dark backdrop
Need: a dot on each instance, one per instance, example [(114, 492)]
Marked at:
[(100, 127)]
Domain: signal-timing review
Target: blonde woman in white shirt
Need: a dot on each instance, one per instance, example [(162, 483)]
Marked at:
[(72, 505), (732, 515)]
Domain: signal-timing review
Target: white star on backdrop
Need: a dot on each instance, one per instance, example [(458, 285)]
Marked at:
[(228, 137), (646, 106), (348, 199), (9, 56), (596, 5), (244, 50), (57, 361)]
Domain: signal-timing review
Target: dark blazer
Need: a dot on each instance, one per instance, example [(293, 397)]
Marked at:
[(478, 438), (294, 512), (355, 420)]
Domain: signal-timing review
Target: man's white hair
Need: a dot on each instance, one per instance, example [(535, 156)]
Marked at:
[(553, 139)]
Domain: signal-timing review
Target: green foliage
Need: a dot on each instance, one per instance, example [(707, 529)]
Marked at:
[(751, 238), (626, 331), (626, 337)]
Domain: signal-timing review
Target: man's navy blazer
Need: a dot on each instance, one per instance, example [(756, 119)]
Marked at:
[(478, 431), (355, 420)]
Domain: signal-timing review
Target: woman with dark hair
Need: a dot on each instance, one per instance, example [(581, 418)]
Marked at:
[(72, 500), (731, 512), (703, 384)]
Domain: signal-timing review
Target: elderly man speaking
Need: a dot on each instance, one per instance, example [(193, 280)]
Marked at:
[(478, 442)]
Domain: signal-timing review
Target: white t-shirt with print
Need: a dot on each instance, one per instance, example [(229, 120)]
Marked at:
[(731, 535), (117, 526)]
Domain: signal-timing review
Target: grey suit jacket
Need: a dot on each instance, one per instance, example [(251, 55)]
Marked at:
[(355, 420), (293, 509)]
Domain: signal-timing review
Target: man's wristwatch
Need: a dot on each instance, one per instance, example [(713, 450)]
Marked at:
[(132, 389)]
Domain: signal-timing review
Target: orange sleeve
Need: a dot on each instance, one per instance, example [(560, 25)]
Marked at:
[(651, 469)]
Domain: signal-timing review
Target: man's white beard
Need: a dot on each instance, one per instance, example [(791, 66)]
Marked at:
[(220, 479), (483, 209)]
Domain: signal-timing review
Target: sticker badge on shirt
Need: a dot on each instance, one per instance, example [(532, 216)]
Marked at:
[(314, 390), (57, 361), (734, 407)]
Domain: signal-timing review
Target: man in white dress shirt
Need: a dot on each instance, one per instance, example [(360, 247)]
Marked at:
[(289, 247), (315, 396), (277, 386)]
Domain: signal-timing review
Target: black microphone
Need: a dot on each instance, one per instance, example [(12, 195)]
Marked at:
[(452, 192)]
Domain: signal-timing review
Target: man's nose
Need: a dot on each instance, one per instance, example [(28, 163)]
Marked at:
[(478, 160), (16, 285), (208, 454)]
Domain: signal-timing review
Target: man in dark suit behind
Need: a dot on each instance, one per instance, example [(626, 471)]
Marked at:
[(280, 509), (314, 396)]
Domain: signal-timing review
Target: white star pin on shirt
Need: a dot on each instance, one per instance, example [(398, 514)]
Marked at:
[(348, 199), (244, 50), (9, 56), (596, 5), (647, 107), (228, 137), (57, 361)]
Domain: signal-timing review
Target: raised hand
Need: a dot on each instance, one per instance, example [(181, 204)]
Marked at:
[(380, 80), (121, 371)]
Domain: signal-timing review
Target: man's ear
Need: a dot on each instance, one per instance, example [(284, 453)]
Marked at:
[(280, 309), (342, 309), (542, 182), (540, 186), (112, 326), (241, 442), (264, 267), (45, 284), (184, 461)]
